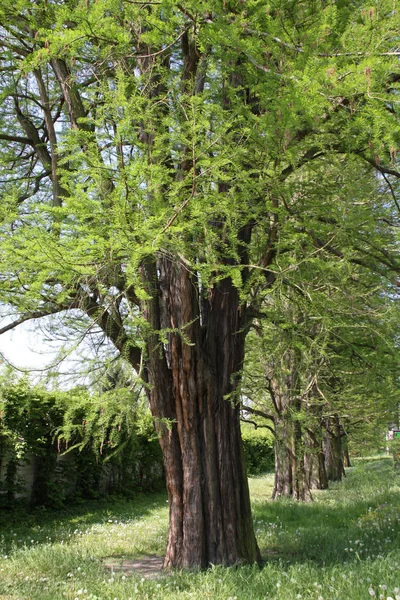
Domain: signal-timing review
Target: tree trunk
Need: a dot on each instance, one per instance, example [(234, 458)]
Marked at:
[(345, 446), (346, 457), (333, 450), (283, 483), (322, 474), (290, 472), (315, 462), (190, 374)]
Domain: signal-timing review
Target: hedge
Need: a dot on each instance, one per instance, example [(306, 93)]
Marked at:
[(258, 448)]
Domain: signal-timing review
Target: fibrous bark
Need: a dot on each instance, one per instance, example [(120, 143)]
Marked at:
[(189, 379), (333, 449), (315, 461), (290, 467)]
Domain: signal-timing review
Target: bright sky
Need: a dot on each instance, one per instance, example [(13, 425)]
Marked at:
[(24, 348), (27, 348)]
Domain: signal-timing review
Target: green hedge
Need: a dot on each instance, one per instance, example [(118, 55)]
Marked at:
[(110, 435), (258, 445)]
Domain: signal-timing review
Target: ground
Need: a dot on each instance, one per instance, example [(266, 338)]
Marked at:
[(344, 546)]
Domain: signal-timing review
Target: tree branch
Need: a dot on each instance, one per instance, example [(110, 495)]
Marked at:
[(33, 135), (391, 191), (379, 167), (22, 197), (257, 426), (16, 138), (58, 191), (112, 328), (37, 314), (258, 413)]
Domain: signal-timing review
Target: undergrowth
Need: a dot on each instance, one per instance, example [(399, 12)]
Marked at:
[(343, 546)]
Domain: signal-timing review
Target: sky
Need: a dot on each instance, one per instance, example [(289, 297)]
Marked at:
[(28, 348), (24, 348)]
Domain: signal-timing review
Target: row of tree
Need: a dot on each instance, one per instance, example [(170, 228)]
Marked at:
[(175, 173), (322, 376)]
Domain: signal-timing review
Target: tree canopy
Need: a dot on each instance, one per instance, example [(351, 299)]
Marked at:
[(166, 165), (133, 129)]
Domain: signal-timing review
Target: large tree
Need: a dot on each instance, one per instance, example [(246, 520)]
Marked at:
[(152, 149)]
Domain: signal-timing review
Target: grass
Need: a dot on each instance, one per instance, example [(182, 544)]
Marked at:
[(344, 546)]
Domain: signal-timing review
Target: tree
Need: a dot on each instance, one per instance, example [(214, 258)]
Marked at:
[(321, 364), (151, 148)]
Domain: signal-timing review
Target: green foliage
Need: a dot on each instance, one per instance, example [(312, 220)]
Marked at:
[(368, 437), (29, 417), (325, 341), (258, 449), (114, 433), (111, 436), (295, 100), (395, 450), (31, 413)]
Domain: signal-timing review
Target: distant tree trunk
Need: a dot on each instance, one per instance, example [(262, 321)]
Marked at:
[(333, 449), (283, 483), (346, 455), (290, 472), (189, 377), (315, 462), (322, 474)]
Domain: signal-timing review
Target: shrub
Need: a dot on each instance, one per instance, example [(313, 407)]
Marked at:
[(258, 448), (110, 435), (395, 450)]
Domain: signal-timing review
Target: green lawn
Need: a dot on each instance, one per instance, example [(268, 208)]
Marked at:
[(345, 545)]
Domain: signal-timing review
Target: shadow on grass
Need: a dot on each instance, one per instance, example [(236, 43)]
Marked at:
[(356, 519), (43, 524)]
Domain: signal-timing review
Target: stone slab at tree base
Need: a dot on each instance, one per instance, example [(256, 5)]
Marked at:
[(148, 566)]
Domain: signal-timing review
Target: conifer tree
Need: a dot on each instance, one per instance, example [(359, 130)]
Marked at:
[(151, 152)]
